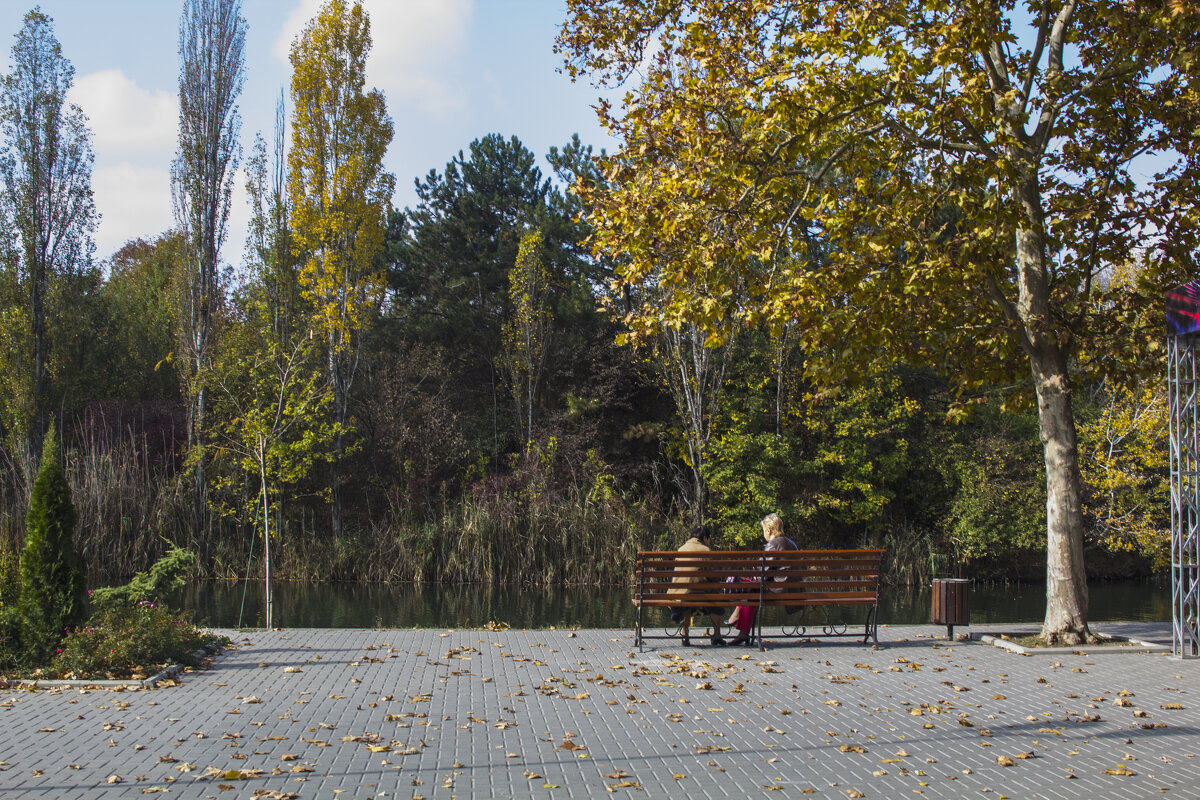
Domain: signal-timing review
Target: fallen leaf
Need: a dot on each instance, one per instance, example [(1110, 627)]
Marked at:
[(1005, 761), (623, 785)]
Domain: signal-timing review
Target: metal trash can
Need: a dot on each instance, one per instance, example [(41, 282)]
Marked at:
[(951, 603)]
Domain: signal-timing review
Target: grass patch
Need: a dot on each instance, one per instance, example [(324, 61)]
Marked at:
[(1034, 641)]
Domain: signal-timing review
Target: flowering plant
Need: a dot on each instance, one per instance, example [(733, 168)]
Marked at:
[(124, 641)]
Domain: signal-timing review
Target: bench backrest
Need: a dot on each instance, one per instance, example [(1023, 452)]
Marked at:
[(791, 576)]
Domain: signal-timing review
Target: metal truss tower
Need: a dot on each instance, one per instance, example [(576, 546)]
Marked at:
[(1183, 390)]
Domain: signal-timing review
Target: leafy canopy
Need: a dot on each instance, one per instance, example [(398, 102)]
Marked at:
[(928, 142)]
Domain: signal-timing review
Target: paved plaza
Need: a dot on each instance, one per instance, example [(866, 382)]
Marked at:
[(342, 714)]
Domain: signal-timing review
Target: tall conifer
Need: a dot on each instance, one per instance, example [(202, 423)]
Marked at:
[(52, 582)]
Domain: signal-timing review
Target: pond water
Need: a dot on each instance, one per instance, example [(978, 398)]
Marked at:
[(359, 605)]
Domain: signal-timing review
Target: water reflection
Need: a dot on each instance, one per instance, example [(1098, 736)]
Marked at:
[(358, 605)]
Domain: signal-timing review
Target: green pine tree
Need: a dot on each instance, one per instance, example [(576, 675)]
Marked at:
[(52, 584)]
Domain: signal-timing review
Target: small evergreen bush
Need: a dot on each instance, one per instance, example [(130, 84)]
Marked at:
[(53, 595), (132, 631), (165, 577)]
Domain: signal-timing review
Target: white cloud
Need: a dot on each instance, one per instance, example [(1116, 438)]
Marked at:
[(126, 119), (134, 134), (133, 201), (416, 49), (238, 224)]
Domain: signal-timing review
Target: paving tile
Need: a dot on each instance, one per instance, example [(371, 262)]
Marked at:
[(562, 714)]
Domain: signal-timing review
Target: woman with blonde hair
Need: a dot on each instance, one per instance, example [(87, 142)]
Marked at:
[(743, 616)]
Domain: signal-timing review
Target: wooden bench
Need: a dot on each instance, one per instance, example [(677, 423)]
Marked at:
[(792, 579)]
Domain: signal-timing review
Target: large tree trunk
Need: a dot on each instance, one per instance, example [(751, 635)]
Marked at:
[(1066, 580)]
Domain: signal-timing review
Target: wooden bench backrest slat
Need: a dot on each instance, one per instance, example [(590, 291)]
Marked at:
[(791, 579), (795, 576)]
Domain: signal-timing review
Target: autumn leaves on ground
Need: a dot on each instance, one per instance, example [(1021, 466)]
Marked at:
[(543, 713)]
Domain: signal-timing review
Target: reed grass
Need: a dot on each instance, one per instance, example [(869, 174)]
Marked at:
[(498, 539), (533, 526)]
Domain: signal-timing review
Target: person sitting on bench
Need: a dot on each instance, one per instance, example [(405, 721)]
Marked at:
[(743, 616), (698, 541)]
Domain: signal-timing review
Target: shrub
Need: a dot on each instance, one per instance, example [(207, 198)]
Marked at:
[(120, 640), (52, 585), (10, 619), (165, 577), (11, 653)]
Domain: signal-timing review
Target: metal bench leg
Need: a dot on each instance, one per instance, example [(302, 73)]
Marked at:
[(872, 630)]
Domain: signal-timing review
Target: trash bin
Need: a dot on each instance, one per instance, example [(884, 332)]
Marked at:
[(951, 603)]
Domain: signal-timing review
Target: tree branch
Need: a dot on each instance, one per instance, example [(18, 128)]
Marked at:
[(1035, 58), (1007, 307)]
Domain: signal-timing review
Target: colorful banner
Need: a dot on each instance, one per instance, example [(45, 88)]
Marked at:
[(1183, 309)]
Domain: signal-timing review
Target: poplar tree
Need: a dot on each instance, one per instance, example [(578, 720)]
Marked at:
[(527, 333), (212, 35), (48, 215), (340, 194), (269, 247)]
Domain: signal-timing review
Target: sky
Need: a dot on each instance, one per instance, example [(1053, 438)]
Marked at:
[(452, 71)]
